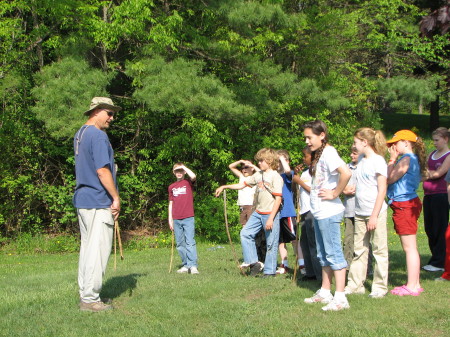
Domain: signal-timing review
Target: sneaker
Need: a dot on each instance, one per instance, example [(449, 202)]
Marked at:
[(282, 269), (183, 270), (319, 299), (256, 268), (441, 279), (244, 265), (377, 294), (349, 291), (194, 270), (95, 306), (336, 305), (431, 268)]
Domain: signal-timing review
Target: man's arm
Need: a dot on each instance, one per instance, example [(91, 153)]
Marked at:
[(106, 178)]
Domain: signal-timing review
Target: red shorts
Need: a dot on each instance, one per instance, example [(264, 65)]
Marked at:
[(405, 216)]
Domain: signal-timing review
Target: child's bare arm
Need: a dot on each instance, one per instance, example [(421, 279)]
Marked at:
[(191, 174), (441, 170), (249, 163), (296, 179), (233, 168), (237, 186), (170, 215), (285, 165)]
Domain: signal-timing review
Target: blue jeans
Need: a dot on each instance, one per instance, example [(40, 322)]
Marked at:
[(184, 230), (248, 233), (328, 242)]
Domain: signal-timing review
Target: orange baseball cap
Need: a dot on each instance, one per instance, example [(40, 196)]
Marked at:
[(403, 135)]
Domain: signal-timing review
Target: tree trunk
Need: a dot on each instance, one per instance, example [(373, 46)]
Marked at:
[(434, 114)]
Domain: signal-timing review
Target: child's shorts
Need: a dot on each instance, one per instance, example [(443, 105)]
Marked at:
[(288, 229), (405, 215)]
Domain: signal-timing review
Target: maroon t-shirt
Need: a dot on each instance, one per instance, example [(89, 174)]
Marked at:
[(180, 192)]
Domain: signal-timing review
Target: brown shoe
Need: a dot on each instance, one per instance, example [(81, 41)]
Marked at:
[(95, 306)]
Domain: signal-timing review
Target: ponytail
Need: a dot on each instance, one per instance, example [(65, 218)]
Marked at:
[(420, 152)]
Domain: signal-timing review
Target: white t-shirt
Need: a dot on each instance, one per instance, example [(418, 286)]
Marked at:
[(305, 202), (245, 195), (366, 183), (326, 177)]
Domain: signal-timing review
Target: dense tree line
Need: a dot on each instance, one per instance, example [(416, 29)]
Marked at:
[(206, 82)]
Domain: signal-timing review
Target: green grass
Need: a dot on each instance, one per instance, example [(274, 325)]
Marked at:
[(393, 122), (39, 298)]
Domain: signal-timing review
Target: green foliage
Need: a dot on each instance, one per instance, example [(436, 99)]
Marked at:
[(63, 91), (27, 243)]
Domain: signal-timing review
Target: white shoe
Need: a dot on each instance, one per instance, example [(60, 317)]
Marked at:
[(431, 268), (183, 270), (336, 305), (244, 265), (319, 299), (194, 270), (377, 294), (349, 291)]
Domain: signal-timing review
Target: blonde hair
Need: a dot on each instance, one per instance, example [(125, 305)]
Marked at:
[(375, 139), (270, 156), (441, 132), (177, 165), (284, 153), (419, 150)]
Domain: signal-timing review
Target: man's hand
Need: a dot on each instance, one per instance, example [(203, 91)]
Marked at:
[(115, 208)]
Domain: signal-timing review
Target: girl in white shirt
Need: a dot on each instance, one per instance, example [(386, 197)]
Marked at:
[(370, 214)]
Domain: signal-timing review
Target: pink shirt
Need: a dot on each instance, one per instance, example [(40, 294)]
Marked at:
[(435, 186), (180, 193)]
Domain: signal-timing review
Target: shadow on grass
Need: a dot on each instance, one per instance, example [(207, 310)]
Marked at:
[(116, 286)]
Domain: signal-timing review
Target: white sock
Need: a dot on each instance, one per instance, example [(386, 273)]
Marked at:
[(324, 292), (340, 296), (285, 263), (301, 262)]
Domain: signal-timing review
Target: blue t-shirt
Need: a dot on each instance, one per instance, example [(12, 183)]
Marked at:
[(288, 198), (92, 152), (405, 188)]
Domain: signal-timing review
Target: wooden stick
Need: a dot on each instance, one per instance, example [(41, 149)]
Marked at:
[(116, 224), (115, 246), (171, 252)]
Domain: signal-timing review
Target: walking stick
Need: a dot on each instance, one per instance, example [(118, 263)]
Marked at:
[(116, 226), (115, 246), (294, 277), (228, 231), (171, 253)]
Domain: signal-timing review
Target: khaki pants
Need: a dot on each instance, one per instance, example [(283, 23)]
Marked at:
[(96, 229), (378, 239)]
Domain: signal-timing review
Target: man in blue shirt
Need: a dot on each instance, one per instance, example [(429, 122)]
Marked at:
[(96, 199)]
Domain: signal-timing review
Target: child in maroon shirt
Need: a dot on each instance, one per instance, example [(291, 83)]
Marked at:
[(181, 217)]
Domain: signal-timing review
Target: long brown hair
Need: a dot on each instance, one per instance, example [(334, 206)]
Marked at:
[(419, 150), (317, 127)]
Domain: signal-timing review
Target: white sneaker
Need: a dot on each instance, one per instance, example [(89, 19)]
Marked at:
[(319, 299), (336, 305), (194, 270), (349, 291), (377, 294), (244, 265), (183, 270), (431, 268)]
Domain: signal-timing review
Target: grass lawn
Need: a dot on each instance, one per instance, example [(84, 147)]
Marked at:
[(39, 298)]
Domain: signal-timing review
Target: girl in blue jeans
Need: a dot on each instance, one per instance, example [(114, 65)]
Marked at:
[(329, 175)]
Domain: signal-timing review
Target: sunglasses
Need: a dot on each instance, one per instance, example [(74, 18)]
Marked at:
[(110, 113), (246, 167)]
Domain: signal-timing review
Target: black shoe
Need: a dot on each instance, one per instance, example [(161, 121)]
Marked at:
[(255, 268), (268, 276)]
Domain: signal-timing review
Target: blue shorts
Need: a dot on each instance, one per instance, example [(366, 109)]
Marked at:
[(328, 241)]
